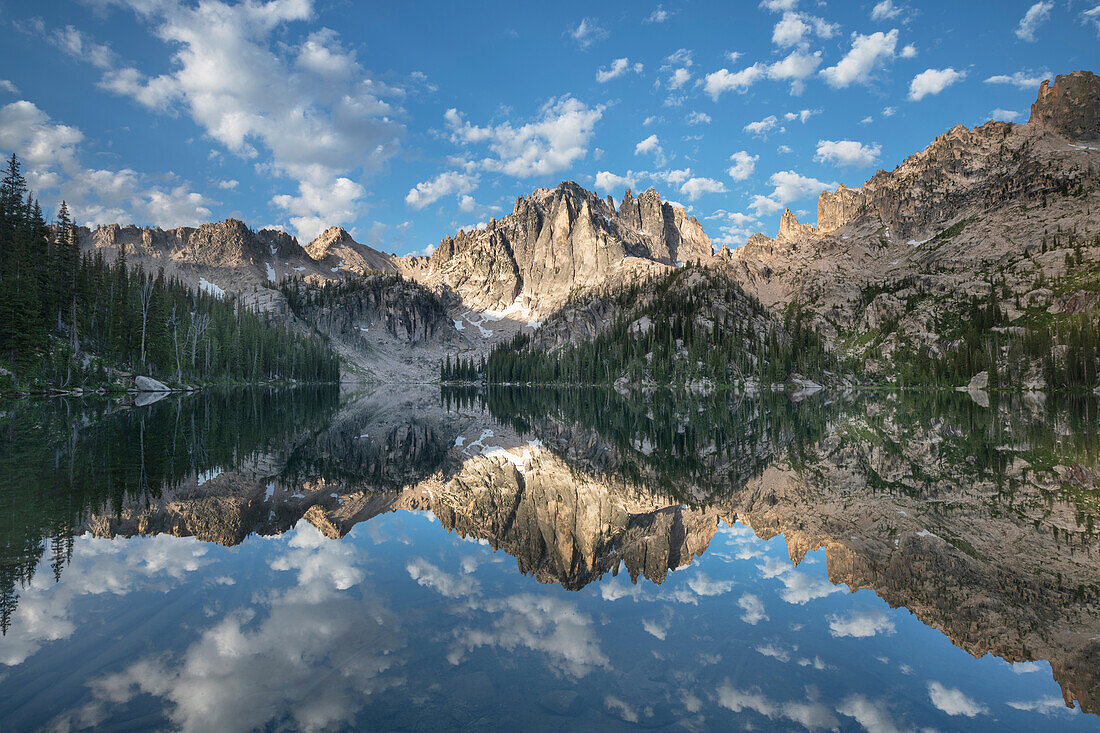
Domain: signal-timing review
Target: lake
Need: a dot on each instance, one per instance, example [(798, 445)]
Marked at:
[(537, 559)]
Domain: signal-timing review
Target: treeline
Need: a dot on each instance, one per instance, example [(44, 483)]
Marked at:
[(1060, 352), (63, 461), (694, 323), (69, 319), (461, 369)]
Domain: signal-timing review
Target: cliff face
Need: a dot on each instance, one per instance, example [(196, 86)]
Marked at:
[(1014, 203), (554, 241), (335, 250), (1070, 107)]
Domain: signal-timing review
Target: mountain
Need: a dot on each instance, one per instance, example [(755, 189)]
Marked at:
[(335, 251), (1005, 214), (527, 264)]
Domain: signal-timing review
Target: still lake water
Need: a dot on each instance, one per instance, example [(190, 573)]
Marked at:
[(532, 559)]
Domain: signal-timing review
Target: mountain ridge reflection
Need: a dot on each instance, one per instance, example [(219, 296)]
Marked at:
[(979, 521)]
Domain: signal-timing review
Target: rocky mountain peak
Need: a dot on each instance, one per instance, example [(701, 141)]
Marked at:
[(1070, 106), (337, 251), (326, 240), (790, 230), (556, 240)]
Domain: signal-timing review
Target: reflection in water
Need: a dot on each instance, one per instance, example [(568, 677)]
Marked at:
[(979, 521)]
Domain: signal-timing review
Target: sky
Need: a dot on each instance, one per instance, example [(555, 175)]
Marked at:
[(406, 121)]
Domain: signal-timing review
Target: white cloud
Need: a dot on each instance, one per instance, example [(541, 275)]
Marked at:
[(587, 32), (80, 46), (1044, 706), (866, 55), (617, 68), (762, 127), (1007, 115), (624, 709), (954, 702), (659, 15), (1028, 80), (743, 165), (650, 145), (656, 628), (318, 206), (792, 29), (236, 76), (885, 10), (693, 188), (1035, 16), (612, 183), (784, 149), (1092, 16), (847, 152), (445, 184), (698, 118), (909, 51), (50, 153), (811, 715), (679, 78), (861, 624), (889, 111), (873, 715), (722, 81), (8, 87), (753, 609), (551, 143), (790, 186), (933, 81), (228, 185), (796, 67), (801, 116)]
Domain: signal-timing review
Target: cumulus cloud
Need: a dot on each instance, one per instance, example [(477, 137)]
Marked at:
[(233, 73), (860, 624), (552, 142), (1044, 706), (801, 116), (611, 183), (651, 146), (847, 152), (1007, 115), (954, 702), (873, 715), (445, 184), (933, 81), (743, 165), (717, 83), (693, 188), (1028, 80), (698, 118), (866, 55), (617, 68), (885, 10), (50, 152), (792, 29), (762, 127), (7, 86), (809, 714), (796, 67), (587, 32), (1035, 16), (753, 609)]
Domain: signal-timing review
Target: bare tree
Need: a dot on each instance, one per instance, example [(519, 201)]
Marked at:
[(146, 295)]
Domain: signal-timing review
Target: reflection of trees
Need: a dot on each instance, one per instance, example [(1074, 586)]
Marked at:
[(62, 460)]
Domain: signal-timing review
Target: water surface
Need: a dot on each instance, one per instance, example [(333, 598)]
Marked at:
[(542, 559)]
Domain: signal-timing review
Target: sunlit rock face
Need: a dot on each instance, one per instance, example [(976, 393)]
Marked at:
[(554, 241), (996, 198)]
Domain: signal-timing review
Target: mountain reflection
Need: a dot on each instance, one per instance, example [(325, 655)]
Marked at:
[(979, 520)]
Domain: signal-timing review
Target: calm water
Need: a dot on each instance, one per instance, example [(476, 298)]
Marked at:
[(539, 560)]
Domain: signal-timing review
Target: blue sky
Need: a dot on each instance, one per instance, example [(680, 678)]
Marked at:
[(404, 121)]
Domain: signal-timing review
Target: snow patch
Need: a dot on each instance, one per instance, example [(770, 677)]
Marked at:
[(208, 475), (270, 271), (211, 288), (459, 326)]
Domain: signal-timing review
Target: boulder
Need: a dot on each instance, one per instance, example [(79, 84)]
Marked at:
[(148, 384)]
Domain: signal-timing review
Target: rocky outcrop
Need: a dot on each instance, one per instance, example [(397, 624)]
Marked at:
[(336, 251), (1070, 106), (554, 241)]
